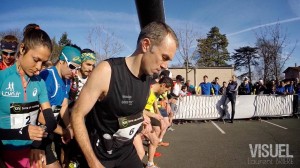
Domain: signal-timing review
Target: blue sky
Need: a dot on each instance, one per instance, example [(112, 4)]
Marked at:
[(238, 19)]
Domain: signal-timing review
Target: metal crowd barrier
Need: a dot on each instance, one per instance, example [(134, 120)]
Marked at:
[(247, 106)]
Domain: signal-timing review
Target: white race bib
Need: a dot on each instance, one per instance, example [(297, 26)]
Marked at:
[(128, 126), (23, 114)]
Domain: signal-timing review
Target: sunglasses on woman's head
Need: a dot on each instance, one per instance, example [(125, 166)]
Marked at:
[(12, 54), (70, 65)]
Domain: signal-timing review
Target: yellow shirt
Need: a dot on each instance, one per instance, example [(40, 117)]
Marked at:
[(162, 97), (150, 101)]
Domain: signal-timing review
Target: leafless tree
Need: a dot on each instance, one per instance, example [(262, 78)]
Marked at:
[(187, 38), (15, 32), (105, 44), (273, 49)]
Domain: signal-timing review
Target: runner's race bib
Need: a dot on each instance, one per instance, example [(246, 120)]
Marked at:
[(128, 126), (22, 114)]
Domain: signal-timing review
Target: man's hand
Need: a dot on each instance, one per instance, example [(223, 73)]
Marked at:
[(37, 158), (168, 108), (146, 120), (36, 132), (159, 117), (67, 135)]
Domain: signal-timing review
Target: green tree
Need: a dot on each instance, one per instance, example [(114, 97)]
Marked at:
[(245, 58), (64, 39), (57, 46), (15, 32), (213, 49)]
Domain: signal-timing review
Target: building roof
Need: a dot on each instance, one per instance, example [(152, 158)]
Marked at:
[(215, 67), (292, 68)]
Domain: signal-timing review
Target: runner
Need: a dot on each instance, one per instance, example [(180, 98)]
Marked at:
[(158, 123), (23, 93), (58, 79), (118, 89), (8, 46), (73, 154), (88, 61)]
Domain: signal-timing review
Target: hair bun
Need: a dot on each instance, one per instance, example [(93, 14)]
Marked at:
[(30, 27)]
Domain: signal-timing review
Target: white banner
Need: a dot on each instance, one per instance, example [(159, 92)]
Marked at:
[(247, 106)]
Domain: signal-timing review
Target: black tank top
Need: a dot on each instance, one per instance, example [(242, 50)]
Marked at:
[(127, 96)]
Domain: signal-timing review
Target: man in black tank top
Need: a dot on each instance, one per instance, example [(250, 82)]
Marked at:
[(108, 112)]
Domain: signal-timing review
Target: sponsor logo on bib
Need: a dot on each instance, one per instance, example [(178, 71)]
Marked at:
[(125, 123), (17, 108)]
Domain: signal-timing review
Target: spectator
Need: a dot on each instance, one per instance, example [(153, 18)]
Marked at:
[(289, 87), (216, 86), (177, 85), (231, 93), (222, 90), (184, 91), (173, 97), (260, 88), (280, 89), (297, 86), (190, 87), (206, 87), (245, 87), (271, 88)]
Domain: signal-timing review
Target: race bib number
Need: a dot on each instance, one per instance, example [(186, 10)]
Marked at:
[(128, 126), (22, 114)]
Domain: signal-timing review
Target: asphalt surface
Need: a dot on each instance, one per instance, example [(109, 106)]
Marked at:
[(197, 145)]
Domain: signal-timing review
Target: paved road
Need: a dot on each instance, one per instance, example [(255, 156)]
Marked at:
[(197, 145)]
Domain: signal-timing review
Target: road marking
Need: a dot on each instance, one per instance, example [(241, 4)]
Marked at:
[(223, 132), (274, 124)]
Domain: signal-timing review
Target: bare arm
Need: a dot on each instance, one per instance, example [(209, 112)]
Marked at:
[(96, 86)]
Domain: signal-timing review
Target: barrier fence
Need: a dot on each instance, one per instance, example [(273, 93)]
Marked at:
[(247, 106)]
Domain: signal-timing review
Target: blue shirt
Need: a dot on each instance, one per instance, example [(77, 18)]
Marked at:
[(289, 89), (216, 88), (205, 88), (280, 90), (19, 107), (57, 88), (248, 88)]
